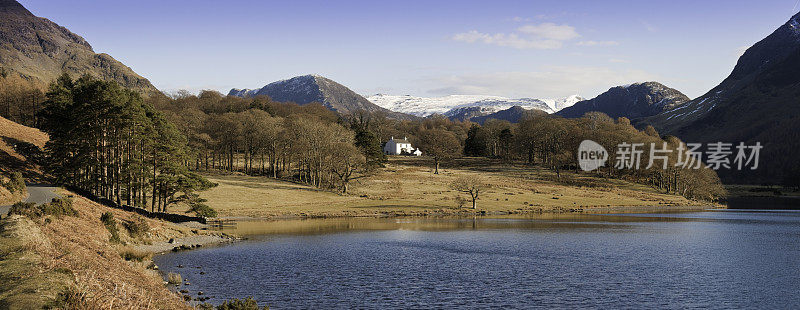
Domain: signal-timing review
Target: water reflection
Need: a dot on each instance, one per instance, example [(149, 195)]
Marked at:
[(544, 221), (715, 259)]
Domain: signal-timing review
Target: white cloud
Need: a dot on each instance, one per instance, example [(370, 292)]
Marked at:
[(618, 60), (541, 36), (510, 40), (549, 82), (597, 43), (550, 31)]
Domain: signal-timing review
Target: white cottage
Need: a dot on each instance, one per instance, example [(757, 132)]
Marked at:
[(400, 147)]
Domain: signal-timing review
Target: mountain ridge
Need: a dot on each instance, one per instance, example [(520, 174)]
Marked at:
[(462, 106), (310, 88), (756, 103), (39, 50), (759, 57), (632, 101), (512, 115)]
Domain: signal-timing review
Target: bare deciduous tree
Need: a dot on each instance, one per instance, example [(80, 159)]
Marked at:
[(439, 144), (344, 162), (471, 185)]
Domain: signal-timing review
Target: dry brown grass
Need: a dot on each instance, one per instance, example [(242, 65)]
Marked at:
[(93, 271), (408, 187), (22, 133), (24, 283), (7, 197), (14, 138)]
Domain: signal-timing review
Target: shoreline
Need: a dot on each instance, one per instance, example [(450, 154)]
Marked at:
[(222, 238), (186, 243), (470, 212)]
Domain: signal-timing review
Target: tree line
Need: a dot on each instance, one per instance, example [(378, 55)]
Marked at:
[(308, 144), (20, 99), (105, 141), (314, 145), (133, 149), (553, 143)]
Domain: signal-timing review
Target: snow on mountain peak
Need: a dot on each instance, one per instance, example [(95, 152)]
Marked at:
[(558, 104), (425, 106)]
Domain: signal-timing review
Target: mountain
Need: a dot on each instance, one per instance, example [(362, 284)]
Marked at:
[(39, 50), (757, 102), (314, 88), (559, 104), (463, 107), (631, 101), (466, 113), (512, 114)]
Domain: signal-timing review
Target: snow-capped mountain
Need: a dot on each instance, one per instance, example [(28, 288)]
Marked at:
[(559, 104), (454, 105)]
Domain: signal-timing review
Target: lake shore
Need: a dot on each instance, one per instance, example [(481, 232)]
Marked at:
[(73, 260), (478, 212), (185, 243)]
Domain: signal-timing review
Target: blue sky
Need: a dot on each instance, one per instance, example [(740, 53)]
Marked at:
[(427, 48)]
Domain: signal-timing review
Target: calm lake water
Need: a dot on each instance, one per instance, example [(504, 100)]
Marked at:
[(715, 259)]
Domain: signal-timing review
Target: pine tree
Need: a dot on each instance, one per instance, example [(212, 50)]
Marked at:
[(106, 142)]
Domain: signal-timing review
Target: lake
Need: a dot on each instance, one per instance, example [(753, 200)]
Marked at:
[(713, 259)]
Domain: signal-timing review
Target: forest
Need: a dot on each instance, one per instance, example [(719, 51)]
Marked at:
[(313, 145), (105, 141), (146, 152)]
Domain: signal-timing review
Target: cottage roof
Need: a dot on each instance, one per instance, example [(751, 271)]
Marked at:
[(398, 141)]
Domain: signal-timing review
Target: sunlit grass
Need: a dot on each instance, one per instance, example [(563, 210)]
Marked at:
[(408, 186)]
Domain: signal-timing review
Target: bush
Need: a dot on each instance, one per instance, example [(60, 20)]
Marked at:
[(137, 228), (111, 224), (202, 210), (58, 207), (16, 184), (28, 209)]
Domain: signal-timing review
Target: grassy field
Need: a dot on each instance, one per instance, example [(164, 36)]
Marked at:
[(407, 186)]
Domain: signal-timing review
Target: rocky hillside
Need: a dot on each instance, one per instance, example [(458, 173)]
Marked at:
[(757, 102), (39, 50), (631, 101), (465, 113), (512, 114), (314, 88)]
